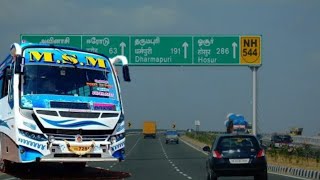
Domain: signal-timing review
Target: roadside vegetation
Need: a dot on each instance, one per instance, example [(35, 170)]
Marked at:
[(203, 137), (303, 156), (300, 157)]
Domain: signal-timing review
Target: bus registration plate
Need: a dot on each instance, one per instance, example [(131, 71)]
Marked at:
[(80, 148)]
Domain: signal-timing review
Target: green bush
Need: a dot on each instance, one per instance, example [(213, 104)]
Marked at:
[(203, 137), (303, 152)]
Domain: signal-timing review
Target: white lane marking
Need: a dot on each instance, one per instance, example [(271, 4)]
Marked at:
[(10, 178), (127, 154), (173, 165), (134, 146), (193, 146)]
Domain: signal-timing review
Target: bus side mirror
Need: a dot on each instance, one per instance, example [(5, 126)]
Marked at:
[(125, 66), (19, 65), (125, 72)]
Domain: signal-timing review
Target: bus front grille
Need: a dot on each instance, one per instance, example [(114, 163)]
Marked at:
[(77, 156), (61, 137)]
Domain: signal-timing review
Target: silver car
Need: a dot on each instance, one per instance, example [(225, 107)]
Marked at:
[(172, 136)]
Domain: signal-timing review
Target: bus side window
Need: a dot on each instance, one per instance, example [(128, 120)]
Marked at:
[(1, 85), (4, 84)]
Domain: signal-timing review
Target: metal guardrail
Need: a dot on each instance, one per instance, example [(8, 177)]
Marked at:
[(315, 141), (307, 140), (299, 172)]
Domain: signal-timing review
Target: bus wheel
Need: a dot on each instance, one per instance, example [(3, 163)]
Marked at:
[(4, 165)]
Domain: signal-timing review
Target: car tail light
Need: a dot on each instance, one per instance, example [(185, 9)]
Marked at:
[(260, 153), (216, 154)]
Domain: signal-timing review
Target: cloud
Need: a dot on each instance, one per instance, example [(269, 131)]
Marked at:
[(74, 17), (149, 17)]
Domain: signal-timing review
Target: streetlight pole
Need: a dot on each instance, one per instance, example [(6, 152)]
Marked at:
[(254, 70)]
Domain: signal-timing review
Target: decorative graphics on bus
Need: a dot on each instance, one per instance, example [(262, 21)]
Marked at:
[(101, 81), (120, 127), (105, 94), (32, 144), (117, 147), (94, 84), (65, 57), (72, 123), (30, 125), (103, 89), (4, 123), (104, 106), (43, 101)]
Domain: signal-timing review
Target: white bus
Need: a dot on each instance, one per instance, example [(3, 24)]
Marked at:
[(60, 104)]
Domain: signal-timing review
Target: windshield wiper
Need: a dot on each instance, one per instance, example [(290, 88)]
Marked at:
[(61, 52)]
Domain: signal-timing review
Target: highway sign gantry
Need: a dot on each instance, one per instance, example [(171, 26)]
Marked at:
[(158, 50)]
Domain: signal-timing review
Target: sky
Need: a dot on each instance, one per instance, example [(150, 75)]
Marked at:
[(288, 80)]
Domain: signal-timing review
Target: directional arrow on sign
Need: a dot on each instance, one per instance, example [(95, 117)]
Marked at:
[(122, 45), (185, 46), (234, 46)]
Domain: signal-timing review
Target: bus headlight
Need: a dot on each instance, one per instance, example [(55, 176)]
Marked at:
[(51, 139), (113, 140)]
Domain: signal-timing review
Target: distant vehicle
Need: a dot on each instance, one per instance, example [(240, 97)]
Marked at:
[(236, 155), (172, 136), (236, 123), (280, 140), (296, 131), (149, 129), (190, 130)]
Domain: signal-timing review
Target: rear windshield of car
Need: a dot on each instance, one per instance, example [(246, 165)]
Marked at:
[(171, 133), (237, 142)]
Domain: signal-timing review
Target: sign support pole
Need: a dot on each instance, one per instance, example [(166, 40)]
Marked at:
[(254, 70)]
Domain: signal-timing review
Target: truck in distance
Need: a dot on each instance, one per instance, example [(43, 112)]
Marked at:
[(149, 129)]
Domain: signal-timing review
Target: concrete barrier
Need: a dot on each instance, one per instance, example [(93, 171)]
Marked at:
[(299, 172)]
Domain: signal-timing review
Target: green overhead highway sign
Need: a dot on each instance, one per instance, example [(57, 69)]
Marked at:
[(165, 49)]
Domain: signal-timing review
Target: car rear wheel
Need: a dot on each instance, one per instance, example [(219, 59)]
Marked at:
[(5, 165), (262, 176), (211, 175)]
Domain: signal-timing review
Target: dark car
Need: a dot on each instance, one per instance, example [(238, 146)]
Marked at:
[(280, 140), (172, 136), (236, 155)]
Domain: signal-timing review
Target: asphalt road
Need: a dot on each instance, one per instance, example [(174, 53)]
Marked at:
[(146, 159)]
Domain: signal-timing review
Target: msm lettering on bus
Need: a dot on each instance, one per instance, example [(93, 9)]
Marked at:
[(50, 57)]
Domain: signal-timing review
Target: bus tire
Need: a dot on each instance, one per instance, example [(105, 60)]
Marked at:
[(5, 165)]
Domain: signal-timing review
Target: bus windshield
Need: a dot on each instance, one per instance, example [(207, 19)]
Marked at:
[(43, 79)]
